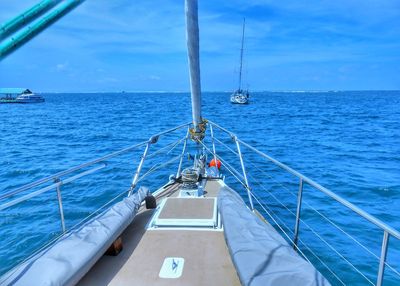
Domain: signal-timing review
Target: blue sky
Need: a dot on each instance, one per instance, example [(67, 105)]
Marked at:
[(140, 45)]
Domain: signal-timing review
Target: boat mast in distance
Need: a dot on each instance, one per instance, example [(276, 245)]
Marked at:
[(241, 96), (241, 56)]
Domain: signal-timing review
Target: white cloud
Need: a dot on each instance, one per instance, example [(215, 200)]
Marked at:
[(154, 77), (61, 67)]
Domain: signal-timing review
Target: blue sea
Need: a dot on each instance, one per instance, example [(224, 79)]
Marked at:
[(349, 142)]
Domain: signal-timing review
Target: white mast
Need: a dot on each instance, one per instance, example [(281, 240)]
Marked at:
[(192, 36), (241, 56)]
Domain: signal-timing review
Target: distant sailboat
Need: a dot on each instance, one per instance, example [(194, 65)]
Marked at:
[(241, 96)]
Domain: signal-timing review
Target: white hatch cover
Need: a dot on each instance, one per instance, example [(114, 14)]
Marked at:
[(187, 212), (172, 267)]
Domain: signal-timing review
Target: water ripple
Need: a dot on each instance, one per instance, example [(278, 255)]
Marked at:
[(347, 141)]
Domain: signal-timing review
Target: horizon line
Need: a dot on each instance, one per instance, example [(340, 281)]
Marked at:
[(222, 91)]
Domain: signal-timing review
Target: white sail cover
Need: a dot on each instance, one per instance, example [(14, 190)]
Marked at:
[(260, 254), (71, 257)]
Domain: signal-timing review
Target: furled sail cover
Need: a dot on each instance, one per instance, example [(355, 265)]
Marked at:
[(260, 254), (71, 257)]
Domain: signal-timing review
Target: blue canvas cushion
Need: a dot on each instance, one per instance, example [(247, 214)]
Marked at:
[(260, 254), (72, 256)]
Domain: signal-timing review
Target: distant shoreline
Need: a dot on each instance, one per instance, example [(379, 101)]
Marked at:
[(224, 91)]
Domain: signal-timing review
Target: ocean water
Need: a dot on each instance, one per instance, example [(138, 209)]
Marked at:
[(348, 142)]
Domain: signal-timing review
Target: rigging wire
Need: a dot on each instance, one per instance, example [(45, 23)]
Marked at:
[(322, 262), (228, 166), (48, 244), (316, 234), (315, 210), (158, 166), (323, 240), (154, 168), (173, 144), (301, 252), (328, 220), (264, 207)]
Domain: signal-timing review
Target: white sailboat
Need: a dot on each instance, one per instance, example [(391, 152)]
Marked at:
[(241, 96), (194, 230)]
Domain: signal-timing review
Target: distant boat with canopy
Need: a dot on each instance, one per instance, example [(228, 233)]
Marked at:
[(19, 95)]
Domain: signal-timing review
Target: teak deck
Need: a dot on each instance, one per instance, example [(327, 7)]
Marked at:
[(206, 257)]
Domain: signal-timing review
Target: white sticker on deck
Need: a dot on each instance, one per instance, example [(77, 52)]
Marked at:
[(172, 267)]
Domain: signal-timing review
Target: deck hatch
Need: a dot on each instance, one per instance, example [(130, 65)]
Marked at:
[(187, 212)]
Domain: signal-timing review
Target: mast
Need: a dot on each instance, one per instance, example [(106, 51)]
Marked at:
[(192, 36), (241, 56)]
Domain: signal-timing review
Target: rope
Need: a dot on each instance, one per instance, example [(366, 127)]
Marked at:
[(199, 135), (190, 177)]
